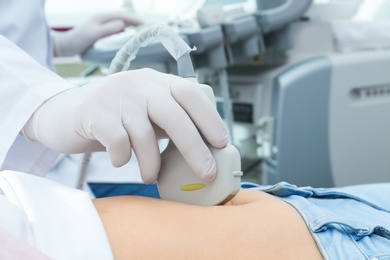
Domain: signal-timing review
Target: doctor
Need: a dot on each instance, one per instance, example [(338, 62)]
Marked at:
[(119, 112), (42, 114)]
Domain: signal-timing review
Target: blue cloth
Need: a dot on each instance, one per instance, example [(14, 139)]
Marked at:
[(347, 223), (102, 190)]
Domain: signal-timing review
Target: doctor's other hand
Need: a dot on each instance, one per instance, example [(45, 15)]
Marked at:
[(78, 39), (126, 111)]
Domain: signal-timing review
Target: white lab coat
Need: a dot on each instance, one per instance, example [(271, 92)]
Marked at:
[(25, 83)]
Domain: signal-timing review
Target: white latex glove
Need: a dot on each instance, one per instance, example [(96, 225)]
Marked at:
[(124, 111), (83, 36)]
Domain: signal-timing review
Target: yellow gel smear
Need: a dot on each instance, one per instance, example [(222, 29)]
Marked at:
[(193, 186)]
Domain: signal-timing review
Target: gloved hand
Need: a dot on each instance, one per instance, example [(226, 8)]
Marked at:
[(83, 36), (125, 111)]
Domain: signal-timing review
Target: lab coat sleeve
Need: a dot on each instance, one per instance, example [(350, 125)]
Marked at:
[(24, 86)]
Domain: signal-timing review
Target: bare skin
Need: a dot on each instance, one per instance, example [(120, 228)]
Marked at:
[(254, 225)]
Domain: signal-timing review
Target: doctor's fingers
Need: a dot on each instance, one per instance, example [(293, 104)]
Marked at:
[(102, 25), (126, 17), (108, 28), (166, 113), (145, 146), (202, 111), (114, 137)]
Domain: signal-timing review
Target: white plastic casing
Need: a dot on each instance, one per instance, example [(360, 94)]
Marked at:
[(177, 182)]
